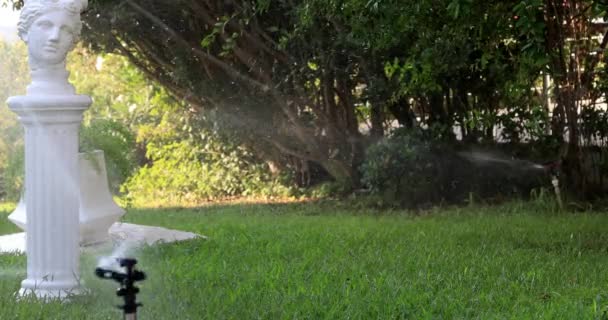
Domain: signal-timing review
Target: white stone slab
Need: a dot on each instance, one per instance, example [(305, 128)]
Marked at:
[(12, 243), (131, 235)]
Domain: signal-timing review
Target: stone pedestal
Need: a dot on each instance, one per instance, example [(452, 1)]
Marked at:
[(52, 199)]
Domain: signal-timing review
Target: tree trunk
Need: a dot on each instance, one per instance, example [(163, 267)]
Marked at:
[(402, 111), (377, 120)]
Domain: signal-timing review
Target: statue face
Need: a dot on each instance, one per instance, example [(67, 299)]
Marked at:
[(50, 37)]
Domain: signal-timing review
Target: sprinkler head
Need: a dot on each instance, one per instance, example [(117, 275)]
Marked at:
[(128, 291), (126, 262)]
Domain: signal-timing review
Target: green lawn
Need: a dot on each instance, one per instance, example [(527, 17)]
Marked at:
[(321, 261)]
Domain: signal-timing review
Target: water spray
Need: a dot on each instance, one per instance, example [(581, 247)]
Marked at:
[(128, 291), (552, 168)]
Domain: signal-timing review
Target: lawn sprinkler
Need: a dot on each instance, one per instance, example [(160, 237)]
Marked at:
[(553, 168), (128, 291)]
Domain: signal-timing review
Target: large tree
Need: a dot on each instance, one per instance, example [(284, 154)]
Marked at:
[(283, 77), (569, 37), (298, 80)]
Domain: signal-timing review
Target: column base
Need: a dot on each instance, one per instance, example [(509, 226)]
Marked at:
[(50, 290)]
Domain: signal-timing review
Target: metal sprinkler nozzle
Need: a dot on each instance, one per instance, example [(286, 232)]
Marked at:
[(553, 168), (128, 291)]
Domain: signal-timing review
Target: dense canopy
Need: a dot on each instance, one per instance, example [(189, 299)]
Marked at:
[(312, 84)]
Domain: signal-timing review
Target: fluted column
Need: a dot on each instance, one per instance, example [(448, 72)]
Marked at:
[(51, 112), (52, 191)]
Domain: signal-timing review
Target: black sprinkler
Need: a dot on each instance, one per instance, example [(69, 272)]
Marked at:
[(128, 291)]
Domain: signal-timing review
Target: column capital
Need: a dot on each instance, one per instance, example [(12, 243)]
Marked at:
[(56, 109)]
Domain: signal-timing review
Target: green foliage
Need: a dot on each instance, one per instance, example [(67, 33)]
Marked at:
[(152, 141), (13, 175), (120, 92), (327, 190), (524, 123), (173, 178), (411, 169), (297, 80), (594, 125), (182, 172), (532, 28), (13, 78), (137, 124), (118, 145), (402, 169)]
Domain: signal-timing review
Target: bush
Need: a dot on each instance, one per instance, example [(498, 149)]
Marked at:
[(402, 169), (183, 172), (117, 143), (409, 169), (12, 174)]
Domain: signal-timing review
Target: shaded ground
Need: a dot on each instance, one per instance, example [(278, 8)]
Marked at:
[(324, 261)]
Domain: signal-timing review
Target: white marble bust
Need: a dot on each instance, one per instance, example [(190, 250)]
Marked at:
[(50, 28)]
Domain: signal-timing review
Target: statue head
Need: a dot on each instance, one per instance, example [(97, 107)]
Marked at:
[(50, 28)]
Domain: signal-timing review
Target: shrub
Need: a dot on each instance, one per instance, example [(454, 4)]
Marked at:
[(12, 174), (402, 169), (117, 143), (184, 172), (409, 169)]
